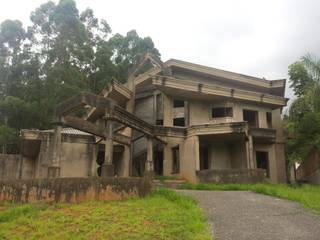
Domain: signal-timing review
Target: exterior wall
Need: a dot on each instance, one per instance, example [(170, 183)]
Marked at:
[(168, 155), (10, 166), (78, 157), (189, 159), (217, 81), (167, 111), (200, 112), (72, 190), (238, 155), (276, 159), (144, 109), (219, 155), (227, 155)]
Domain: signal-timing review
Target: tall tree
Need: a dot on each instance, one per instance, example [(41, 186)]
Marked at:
[(303, 122), (63, 52)]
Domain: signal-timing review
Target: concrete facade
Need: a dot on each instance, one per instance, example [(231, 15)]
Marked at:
[(176, 119)]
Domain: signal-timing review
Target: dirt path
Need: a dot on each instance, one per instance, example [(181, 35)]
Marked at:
[(241, 215)]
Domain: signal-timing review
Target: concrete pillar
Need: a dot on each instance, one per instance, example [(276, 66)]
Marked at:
[(167, 111), (149, 161), (54, 169), (250, 156), (107, 169), (94, 165), (155, 108)]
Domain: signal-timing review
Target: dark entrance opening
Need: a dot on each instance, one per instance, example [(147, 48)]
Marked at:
[(100, 161), (263, 161), (251, 117), (179, 122), (175, 160), (158, 162), (204, 158)]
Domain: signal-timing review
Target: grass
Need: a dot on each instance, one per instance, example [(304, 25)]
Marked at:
[(307, 195), (162, 215), (164, 178)]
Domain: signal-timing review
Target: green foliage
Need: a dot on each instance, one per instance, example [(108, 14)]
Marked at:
[(7, 135), (307, 195), (162, 215), (62, 53), (303, 123), (300, 79)]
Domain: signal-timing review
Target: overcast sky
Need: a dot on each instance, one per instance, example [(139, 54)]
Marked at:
[(259, 38)]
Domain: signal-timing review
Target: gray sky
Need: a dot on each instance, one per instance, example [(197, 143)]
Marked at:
[(259, 38)]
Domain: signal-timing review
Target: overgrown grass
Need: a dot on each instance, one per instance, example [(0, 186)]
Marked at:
[(163, 178), (163, 215), (307, 195)]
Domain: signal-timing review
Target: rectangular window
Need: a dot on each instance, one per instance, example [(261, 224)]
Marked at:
[(179, 122), (263, 161), (269, 119), (159, 122), (251, 117), (175, 160), (178, 103), (221, 112)]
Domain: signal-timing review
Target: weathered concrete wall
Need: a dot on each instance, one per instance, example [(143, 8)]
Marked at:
[(238, 155), (78, 156), (144, 109), (219, 155), (189, 158), (232, 175), (216, 80), (168, 155), (277, 169), (9, 166), (200, 112), (72, 190)]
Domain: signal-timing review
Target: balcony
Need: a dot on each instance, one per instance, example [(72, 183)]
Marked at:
[(268, 134)]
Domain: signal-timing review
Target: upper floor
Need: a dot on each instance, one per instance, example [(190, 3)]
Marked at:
[(182, 94)]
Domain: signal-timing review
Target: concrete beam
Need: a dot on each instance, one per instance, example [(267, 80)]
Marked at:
[(94, 129)]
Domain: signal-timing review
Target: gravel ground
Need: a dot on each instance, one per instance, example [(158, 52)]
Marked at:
[(242, 215)]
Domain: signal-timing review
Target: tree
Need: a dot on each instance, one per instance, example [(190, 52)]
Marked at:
[(61, 53), (303, 123)]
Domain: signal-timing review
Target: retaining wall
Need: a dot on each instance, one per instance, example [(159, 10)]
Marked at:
[(232, 175), (72, 190)]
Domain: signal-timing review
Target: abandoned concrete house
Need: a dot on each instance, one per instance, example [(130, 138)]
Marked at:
[(174, 119)]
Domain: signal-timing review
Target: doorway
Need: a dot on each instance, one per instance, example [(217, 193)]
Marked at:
[(262, 159), (204, 158), (251, 117), (158, 162)]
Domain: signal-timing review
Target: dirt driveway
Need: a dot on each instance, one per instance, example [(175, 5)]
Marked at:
[(242, 215)]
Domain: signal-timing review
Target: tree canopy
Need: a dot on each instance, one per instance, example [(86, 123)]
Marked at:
[(303, 123), (61, 53)]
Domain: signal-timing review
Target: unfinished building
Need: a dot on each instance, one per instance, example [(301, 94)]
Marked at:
[(175, 119)]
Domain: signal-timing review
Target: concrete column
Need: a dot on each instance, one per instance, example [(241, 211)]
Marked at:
[(167, 111), (155, 108), (107, 169), (186, 113), (94, 165), (54, 169), (149, 161), (250, 156)]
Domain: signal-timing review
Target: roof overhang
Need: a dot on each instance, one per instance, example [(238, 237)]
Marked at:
[(188, 88), (277, 86)]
